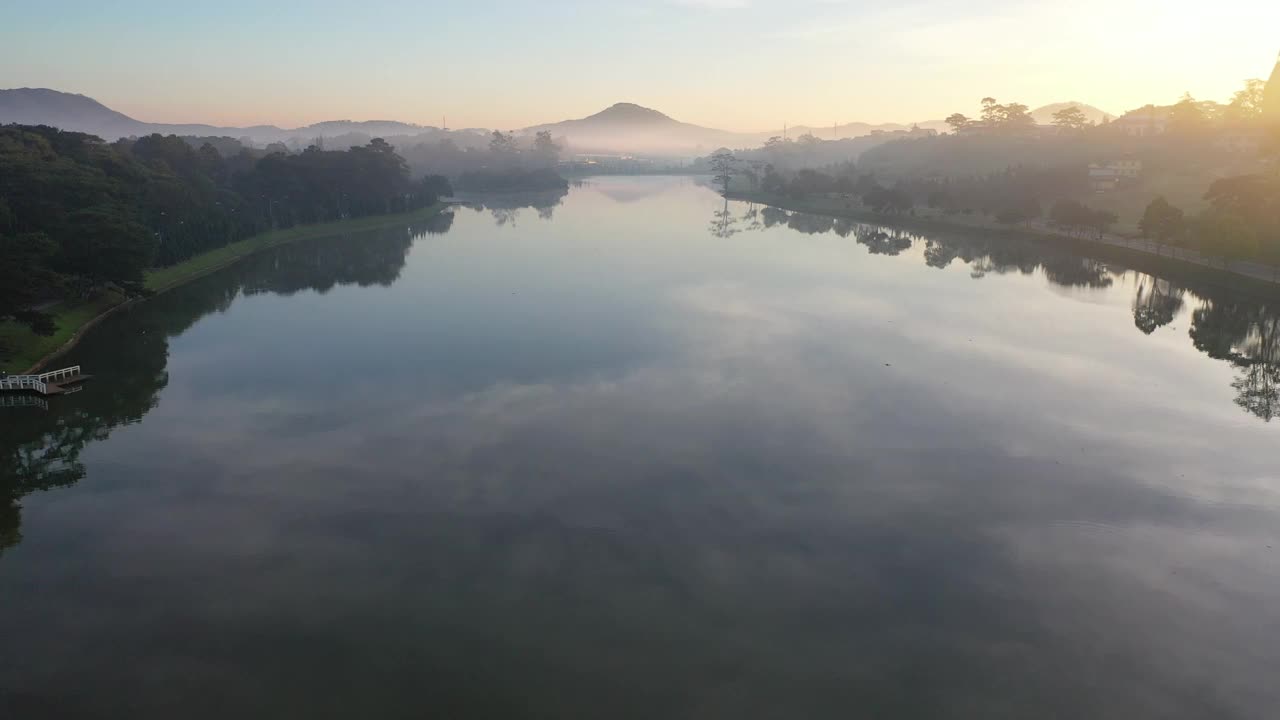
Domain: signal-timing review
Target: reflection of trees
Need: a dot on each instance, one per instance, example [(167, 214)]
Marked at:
[(1155, 304), (1245, 333), (1258, 389), (504, 216), (505, 207), (40, 450), (773, 216), (723, 222), (374, 258), (938, 254), (881, 241), (1073, 271), (10, 525), (1242, 331), (810, 224)]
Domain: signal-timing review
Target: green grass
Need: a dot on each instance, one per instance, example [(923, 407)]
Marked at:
[(1185, 191), (25, 348), (165, 278)]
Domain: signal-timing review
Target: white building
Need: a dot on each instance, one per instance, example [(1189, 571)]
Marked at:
[(1148, 121)]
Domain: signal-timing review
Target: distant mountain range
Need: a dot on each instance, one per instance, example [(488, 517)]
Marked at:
[(624, 127), (40, 106)]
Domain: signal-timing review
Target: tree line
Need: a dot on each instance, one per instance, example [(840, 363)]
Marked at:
[(78, 215), (1242, 221), (508, 162)]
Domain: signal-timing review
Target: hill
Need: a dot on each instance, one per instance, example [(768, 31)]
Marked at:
[(69, 111), (41, 106), (620, 128), (627, 127)]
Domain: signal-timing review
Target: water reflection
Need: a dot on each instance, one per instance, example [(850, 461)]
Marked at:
[(1244, 333), (723, 222), (41, 445), (1155, 304), (505, 207), (1239, 330), (619, 464)]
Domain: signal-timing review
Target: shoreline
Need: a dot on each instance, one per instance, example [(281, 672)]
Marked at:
[(80, 318), (1263, 277)]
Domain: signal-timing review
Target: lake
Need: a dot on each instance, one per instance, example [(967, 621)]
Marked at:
[(635, 452)]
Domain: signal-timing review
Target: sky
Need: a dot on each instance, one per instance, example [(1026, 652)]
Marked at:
[(746, 65)]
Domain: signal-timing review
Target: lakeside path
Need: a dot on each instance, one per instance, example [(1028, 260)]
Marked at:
[(1038, 229), (29, 352)]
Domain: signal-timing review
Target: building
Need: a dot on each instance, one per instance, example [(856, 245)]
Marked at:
[(1245, 138), (1148, 121), (1102, 178), (1129, 168), (915, 132), (1107, 176)]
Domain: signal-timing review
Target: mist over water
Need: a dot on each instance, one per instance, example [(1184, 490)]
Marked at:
[(635, 451)]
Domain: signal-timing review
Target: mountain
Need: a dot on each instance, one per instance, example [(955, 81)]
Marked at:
[(620, 128), (41, 106), (1044, 115), (627, 127)]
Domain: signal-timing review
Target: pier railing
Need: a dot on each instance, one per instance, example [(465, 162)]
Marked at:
[(24, 382), (38, 383)]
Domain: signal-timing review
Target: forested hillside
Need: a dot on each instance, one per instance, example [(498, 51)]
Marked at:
[(78, 215)]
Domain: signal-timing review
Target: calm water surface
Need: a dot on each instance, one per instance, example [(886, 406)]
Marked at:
[(636, 454)]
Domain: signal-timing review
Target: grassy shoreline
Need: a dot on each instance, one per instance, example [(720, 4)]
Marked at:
[(28, 351)]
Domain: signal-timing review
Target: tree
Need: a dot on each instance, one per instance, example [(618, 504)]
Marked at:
[(1187, 117), (1102, 220), (722, 164), (1247, 208), (889, 201), (1076, 217), (26, 279), (810, 182), (1246, 104), (1226, 235), (78, 215), (1071, 118), (546, 148), (107, 246), (958, 122), (1161, 221), (503, 145), (1015, 116), (992, 113), (773, 181)]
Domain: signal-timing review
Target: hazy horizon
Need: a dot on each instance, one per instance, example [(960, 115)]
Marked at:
[(738, 65)]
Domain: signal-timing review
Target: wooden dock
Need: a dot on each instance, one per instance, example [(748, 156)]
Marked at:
[(57, 382)]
